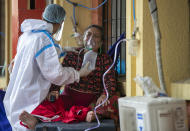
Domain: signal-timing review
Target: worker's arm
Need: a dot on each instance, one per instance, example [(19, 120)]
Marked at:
[(50, 66)]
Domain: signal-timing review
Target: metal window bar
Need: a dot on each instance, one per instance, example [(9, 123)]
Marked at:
[(115, 15)]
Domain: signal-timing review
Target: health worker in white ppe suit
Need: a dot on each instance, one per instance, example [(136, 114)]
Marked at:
[(36, 65)]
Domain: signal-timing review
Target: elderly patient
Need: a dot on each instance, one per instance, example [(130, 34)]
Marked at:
[(77, 101)]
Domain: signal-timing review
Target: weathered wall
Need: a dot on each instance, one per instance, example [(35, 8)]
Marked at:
[(174, 26), (83, 18)]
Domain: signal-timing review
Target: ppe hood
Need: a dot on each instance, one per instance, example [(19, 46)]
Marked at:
[(34, 24)]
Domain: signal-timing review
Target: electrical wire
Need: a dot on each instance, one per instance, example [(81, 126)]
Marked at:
[(134, 18), (74, 15), (76, 4)]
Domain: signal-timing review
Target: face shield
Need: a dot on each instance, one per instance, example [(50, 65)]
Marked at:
[(57, 36)]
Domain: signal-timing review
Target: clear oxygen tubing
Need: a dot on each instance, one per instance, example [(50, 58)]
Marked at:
[(154, 15), (76, 4), (107, 94), (78, 57)]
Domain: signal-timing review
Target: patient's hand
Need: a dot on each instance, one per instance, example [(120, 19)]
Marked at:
[(53, 93), (101, 99)]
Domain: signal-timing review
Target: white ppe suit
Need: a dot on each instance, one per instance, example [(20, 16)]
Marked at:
[(36, 66)]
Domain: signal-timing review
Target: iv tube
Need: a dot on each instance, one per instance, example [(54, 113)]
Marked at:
[(107, 95), (78, 57)]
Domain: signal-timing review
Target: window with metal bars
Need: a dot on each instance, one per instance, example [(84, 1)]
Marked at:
[(114, 23)]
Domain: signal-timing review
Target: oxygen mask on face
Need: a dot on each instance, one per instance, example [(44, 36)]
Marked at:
[(90, 43)]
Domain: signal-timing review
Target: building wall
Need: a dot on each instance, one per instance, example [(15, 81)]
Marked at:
[(130, 60), (7, 47), (83, 18), (174, 26)]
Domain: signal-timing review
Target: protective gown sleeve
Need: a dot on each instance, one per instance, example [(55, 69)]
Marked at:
[(52, 70)]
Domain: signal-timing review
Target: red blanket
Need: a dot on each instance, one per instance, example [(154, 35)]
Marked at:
[(56, 111)]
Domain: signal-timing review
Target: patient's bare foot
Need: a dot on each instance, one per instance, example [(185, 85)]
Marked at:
[(90, 116), (28, 119)]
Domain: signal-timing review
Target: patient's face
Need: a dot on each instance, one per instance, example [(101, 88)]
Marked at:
[(94, 34)]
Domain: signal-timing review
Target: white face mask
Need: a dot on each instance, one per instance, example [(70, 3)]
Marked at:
[(57, 36)]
